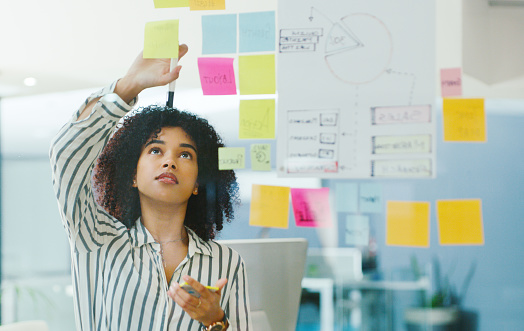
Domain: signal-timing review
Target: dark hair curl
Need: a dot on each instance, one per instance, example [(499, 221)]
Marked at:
[(117, 165)]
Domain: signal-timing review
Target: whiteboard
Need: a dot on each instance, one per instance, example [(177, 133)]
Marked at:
[(356, 84)]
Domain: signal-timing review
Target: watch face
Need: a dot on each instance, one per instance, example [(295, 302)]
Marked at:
[(217, 327)]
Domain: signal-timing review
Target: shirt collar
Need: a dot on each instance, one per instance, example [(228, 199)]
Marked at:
[(141, 236)]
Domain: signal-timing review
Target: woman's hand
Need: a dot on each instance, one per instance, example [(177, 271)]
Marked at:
[(205, 309), (145, 73)]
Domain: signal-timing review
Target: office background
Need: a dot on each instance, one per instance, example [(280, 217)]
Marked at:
[(483, 39)]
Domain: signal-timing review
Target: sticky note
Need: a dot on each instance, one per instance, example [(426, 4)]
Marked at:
[(256, 31), (269, 206), (311, 207), (161, 40), (370, 198), (261, 157), (256, 74), (346, 195), (464, 120), (171, 3), (256, 119), (217, 75), (451, 82), (231, 158), (460, 222), (357, 230), (219, 34), (207, 4), (407, 223)]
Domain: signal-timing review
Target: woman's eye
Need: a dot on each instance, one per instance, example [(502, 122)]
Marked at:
[(186, 155), (154, 151)]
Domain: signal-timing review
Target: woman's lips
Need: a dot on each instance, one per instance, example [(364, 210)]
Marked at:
[(167, 178)]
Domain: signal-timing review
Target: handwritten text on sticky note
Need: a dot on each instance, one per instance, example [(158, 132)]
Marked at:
[(231, 158), (207, 4), (269, 206), (460, 222), (257, 119), (161, 40), (451, 82), (357, 230), (311, 207), (217, 76), (464, 120), (256, 31), (261, 157), (407, 223)]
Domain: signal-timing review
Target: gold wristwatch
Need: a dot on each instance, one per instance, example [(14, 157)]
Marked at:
[(219, 326)]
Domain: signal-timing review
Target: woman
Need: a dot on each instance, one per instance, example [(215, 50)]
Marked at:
[(148, 225)]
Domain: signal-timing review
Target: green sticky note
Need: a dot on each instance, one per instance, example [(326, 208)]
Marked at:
[(261, 157), (231, 158), (161, 40), (256, 119), (171, 3), (256, 74)]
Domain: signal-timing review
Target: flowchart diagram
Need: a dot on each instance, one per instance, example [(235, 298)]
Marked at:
[(356, 88)]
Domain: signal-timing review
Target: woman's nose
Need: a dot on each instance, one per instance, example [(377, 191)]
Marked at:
[(169, 164)]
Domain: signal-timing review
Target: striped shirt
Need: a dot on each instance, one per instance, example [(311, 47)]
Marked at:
[(118, 276)]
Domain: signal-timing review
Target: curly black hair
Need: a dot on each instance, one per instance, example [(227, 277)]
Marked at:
[(117, 165)]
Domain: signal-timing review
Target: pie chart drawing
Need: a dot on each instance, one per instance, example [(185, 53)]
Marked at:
[(358, 48)]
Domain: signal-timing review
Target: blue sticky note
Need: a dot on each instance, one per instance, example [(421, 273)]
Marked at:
[(371, 198), (219, 34), (357, 230), (257, 31), (346, 197)]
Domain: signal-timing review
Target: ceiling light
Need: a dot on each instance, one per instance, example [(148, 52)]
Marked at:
[(30, 81)]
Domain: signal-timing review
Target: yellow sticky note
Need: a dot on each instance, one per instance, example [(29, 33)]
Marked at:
[(464, 120), (256, 119), (231, 158), (269, 206), (207, 4), (171, 3), (407, 223), (460, 222), (261, 157), (161, 40), (256, 74)]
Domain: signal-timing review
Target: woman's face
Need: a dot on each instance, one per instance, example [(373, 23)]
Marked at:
[(167, 168)]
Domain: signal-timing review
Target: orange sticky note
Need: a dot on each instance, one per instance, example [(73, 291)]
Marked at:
[(460, 222), (464, 120), (207, 4), (269, 206), (257, 74), (407, 223)]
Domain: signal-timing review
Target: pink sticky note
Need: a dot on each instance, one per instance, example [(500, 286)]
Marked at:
[(451, 82), (217, 75), (311, 207)]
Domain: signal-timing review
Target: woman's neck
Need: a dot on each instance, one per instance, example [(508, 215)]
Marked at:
[(165, 223)]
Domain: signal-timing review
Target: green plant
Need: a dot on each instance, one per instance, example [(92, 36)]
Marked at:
[(445, 294)]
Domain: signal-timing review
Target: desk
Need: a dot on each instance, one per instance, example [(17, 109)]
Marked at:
[(326, 287)]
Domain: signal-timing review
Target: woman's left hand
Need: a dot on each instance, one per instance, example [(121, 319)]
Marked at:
[(205, 309)]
